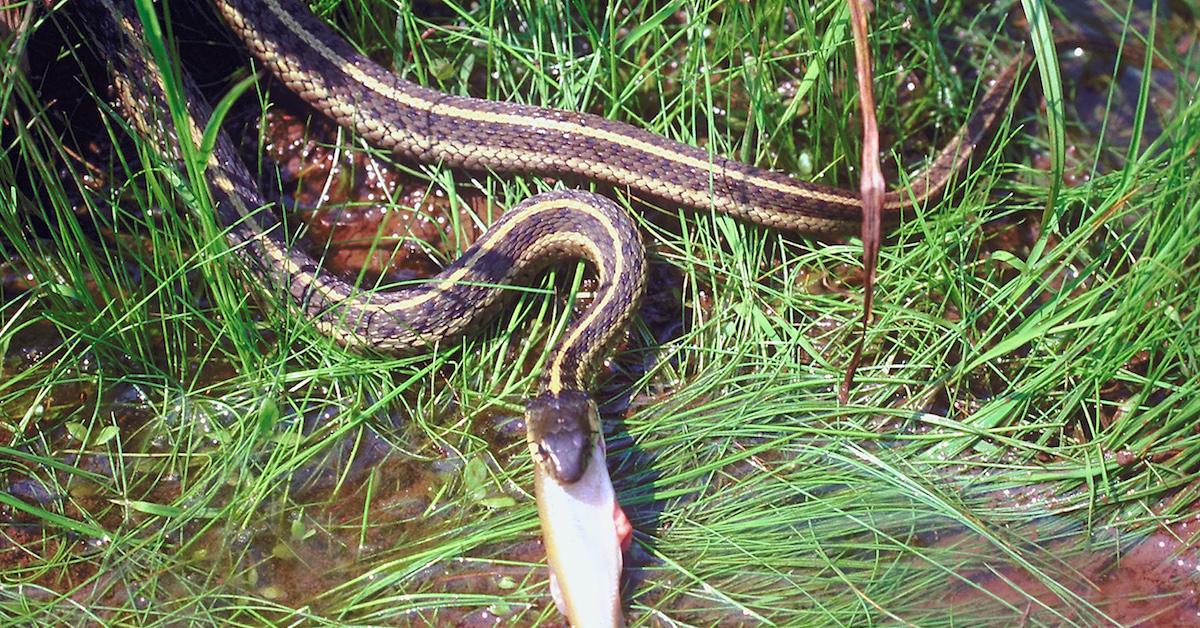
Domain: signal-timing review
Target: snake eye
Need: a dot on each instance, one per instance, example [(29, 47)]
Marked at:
[(544, 456)]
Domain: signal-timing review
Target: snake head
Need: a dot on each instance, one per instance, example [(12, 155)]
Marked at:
[(561, 429)]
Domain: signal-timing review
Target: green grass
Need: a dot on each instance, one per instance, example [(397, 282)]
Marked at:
[(166, 426)]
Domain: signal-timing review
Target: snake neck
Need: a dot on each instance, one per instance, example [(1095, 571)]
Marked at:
[(614, 250)]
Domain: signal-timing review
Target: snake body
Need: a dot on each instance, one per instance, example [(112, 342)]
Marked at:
[(562, 421), (423, 124)]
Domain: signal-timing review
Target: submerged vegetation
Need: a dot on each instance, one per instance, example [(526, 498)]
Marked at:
[(178, 446)]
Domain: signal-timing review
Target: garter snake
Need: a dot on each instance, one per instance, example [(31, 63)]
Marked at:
[(429, 126), (575, 495)]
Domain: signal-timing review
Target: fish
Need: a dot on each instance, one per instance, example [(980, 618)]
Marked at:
[(583, 533)]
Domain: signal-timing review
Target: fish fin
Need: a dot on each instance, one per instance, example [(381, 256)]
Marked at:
[(623, 526)]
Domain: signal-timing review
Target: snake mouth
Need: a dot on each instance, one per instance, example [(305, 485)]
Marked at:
[(562, 430)]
